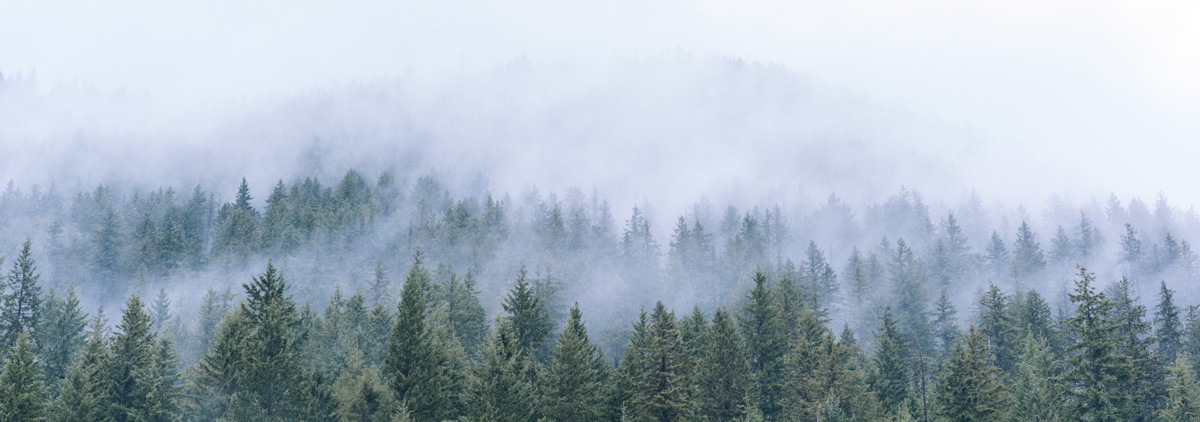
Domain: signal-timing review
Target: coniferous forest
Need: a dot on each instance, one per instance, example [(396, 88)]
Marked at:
[(378, 298)]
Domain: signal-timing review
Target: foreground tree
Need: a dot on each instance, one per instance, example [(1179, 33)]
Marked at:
[(21, 389), (970, 388), (575, 377)]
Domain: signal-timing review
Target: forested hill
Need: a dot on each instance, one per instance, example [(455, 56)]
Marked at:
[(379, 298)]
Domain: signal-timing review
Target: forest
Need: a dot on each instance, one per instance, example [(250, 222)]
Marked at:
[(398, 298)]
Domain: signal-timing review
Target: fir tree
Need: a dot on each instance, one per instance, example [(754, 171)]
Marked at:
[(945, 324), (499, 388), (1183, 400), (162, 378), (997, 255), (20, 308), (766, 347), (1095, 370), (132, 350), (22, 392), (723, 374), (413, 364), (1037, 397), (890, 378), (62, 333), (526, 312), (997, 328), (1028, 258), (465, 311), (970, 388), (663, 392), (1166, 321), (574, 382)]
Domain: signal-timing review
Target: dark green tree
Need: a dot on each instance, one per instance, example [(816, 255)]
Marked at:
[(723, 375), (1037, 396), (574, 381), (499, 388), (765, 346), (20, 308), (970, 388), (663, 392), (997, 327), (62, 333), (132, 351), (1028, 258), (22, 392), (414, 363), (1183, 400), (527, 313), (1095, 370), (1167, 330), (891, 376)]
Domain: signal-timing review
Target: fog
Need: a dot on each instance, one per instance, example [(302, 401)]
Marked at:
[(1040, 108)]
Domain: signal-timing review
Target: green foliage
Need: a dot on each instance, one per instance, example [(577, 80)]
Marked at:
[(22, 392), (970, 388), (21, 301), (500, 388), (62, 335), (1183, 401), (414, 365), (527, 314), (890, 378), (1037, 397), (574, 382), (1095, 371), (663, 392), (723, 374), (765, 346)]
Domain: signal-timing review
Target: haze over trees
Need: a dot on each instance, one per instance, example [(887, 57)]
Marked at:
[(374, 299)]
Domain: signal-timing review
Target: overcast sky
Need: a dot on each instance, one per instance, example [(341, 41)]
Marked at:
[(1110, 89)]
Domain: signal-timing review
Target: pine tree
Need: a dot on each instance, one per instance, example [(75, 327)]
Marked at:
[(499, 388), (62, 334), (83, 396), (1183, 400), (1166, 321), (573, 383), (663, 392), (997, 255), (1037, 397), (945, 324), (413, 364), (1028, 258), (22, 392), (162, 379), (766, 347), (723, 373), (970, 388), (21, 300), (527, 314), (997, 328), (890, 378), (132, 350), (1095, 370)]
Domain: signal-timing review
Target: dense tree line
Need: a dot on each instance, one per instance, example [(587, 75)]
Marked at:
[(432, 356), (917, 318)]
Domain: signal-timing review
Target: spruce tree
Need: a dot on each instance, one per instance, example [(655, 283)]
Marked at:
[(663, 392), (413, 363), (1028, 258), (1095, 370), (574, 389), (465, 311), (22, 392), (1183, 400), (62, 333), (997, 328), (499, 388), (890, 378), (765, 347), (945, 325), (723, 373), (970, 388), (1146, 382), (132, 350), (20, 304), (84, 396), (527, 314), (162, 378), (1166, 322), (1037, 396)]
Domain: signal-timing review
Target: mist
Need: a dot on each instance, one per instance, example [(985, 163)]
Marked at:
[(582, 143)]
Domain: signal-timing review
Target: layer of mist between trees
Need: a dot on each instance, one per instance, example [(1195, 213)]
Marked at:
[(577, 248)]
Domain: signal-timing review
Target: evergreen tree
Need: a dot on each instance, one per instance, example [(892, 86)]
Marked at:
[(629, 370), (465, 311), (911, 298), (1183, 401), (890, 378), (766, 347), (162, 378), (1088, 238), (20, 308), (62, 333), (970, 388), (574, 381), (499, 388), (1095, 370), (1028, 258), (945, 325), (132, 351), (413, 364), (1037, 397), (1166, 321), (380, 291), (526, 312), (1061, 249), (663, 392), (819, 274), (83, 395), (1145, 384), (723, 374), (1131, 250), (997, 255), (997, 328), (22, 392)]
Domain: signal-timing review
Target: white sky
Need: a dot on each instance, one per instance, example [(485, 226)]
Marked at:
[(1108, 89)]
